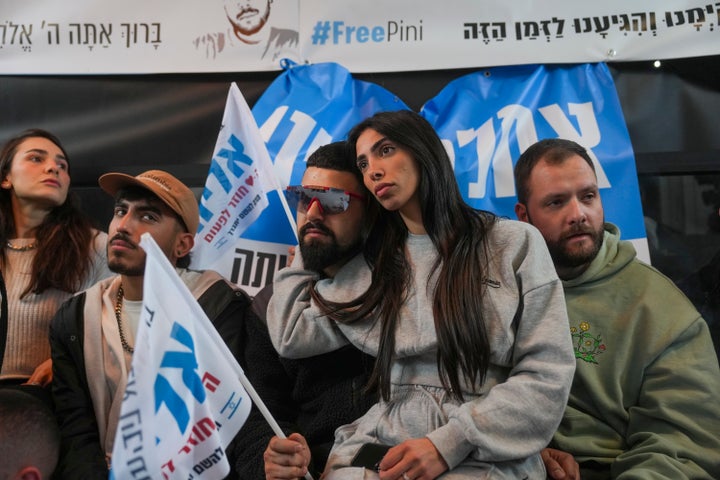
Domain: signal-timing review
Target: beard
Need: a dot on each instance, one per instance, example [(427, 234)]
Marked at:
[(116, 263), (318, 255), (122, 269), (565, 257), (240, 29)]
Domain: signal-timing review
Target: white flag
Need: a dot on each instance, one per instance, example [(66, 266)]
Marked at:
[(241, 175), (184, 400)]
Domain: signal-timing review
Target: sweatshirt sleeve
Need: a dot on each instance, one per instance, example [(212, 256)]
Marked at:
[(297, 326), (517, 417), (675, 426)]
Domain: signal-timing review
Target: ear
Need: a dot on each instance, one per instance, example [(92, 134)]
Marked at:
[(521, 212), (6, 184), (184, 242), (28, 473)]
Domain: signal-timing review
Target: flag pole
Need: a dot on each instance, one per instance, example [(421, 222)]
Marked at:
[(263, 409)]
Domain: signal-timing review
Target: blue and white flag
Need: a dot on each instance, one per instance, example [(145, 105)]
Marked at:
[(306, 107), (236, 191), (184, 401)]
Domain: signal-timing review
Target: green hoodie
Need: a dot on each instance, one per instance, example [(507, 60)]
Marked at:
[(645, 399)]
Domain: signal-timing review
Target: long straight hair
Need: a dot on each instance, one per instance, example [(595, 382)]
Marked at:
[(458, 232), (64, 238)]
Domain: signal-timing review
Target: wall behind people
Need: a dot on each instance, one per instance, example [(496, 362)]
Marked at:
[(171, 121)]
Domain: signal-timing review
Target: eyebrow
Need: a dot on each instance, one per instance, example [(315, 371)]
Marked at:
[(142, 208), (562, 194), (45, 152), (374, 147)]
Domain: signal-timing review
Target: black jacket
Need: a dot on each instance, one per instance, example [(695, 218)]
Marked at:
[(81, 455), (311, 396)]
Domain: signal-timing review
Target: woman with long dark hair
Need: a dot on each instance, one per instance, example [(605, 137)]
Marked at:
[(463, 310), (49, 251)]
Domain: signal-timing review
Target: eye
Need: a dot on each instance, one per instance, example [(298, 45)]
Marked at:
[(119, 211), (62, 166), (149, 217), (362, 165), (386, 150)]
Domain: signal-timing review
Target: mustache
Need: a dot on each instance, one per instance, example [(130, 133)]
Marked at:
[(123, 237), (246, 10), (316, 226), (579, 229)]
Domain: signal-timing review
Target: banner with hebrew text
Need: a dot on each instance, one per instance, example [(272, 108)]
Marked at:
[(183, 36), (488, 118), (239, 187)]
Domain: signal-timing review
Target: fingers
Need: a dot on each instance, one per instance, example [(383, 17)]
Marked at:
[(554, 470), (557, 463), (284, 446), (286, 458), (291, 255), (415, 459), (42, 375)]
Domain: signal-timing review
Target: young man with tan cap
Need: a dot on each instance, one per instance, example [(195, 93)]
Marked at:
[(93, 334)]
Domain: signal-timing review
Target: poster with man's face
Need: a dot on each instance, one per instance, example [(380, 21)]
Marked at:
[(250, 30), (247, 18)]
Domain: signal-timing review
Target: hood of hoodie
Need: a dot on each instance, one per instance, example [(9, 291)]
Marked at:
[(614, 254)]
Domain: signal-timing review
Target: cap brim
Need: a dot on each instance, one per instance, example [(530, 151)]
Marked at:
[(114, 182)]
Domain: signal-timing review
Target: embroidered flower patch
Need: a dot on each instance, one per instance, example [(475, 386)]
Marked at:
[(586, 345)]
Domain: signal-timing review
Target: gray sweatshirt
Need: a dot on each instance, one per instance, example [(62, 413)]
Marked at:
[(509, 418)]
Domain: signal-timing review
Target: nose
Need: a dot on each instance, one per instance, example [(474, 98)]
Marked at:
[(123, 224), (374, 171), (315, 210), (576, 212), (53, 167)]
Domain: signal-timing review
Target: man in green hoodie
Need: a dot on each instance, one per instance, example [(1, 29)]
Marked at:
[(645, 400)]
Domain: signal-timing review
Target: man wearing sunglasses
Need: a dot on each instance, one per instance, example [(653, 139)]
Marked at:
[(311, 397)]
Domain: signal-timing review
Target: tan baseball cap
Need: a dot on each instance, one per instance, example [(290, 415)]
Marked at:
[(178, 197)]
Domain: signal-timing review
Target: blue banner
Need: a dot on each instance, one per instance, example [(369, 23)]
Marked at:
[(306, 107), (488, 118)]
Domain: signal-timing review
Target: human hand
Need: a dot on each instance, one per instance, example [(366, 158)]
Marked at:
[(560, 465), (42, 376), (415, 459), (291, 255), (286, 458)]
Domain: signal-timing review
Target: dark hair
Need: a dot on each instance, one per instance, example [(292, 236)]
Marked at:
[(458, 232), (64, 238), (133, 193), (28, 432), (554, 151), (335, 156)]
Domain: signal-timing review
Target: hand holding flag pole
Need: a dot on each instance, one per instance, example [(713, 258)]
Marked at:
[(265, 412)]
